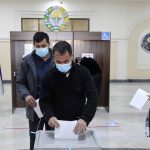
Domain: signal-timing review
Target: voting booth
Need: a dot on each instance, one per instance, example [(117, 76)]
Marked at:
[(93, 44), (45, 141)]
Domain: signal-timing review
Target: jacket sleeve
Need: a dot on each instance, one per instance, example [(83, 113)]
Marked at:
[(91, 95), (46, 97), (21, 80)]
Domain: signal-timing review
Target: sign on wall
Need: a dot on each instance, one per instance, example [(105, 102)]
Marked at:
[(145, 44), (143, 51), (105, 36), (87, 55), (56, 18)]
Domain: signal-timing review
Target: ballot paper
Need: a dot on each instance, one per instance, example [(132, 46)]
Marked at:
[(66, 130), (139, 99), (37, 109)]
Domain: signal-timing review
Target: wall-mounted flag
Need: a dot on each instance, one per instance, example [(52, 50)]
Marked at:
[(1, 83)]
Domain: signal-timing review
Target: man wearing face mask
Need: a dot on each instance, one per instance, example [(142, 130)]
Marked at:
[(68, 91), (28, 80)]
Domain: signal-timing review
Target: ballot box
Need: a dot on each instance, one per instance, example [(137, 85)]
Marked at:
[(45, 141)]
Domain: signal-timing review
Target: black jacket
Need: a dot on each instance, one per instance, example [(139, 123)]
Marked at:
[(95, 71), (69, 98)]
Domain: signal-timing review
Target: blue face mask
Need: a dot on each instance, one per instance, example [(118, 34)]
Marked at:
[(42, 52), (64, 68)]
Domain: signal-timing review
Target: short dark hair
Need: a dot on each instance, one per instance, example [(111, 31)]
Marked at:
[(39, 36), (62, 47)]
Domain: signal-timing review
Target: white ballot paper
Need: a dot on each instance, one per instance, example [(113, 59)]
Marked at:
[(37, 109), (66, 130), (139, 99)]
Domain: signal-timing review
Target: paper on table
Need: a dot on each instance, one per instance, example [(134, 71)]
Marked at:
[(139, 99), (66, 130), (37, 109)]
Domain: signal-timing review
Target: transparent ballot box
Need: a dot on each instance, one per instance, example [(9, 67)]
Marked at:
[(45, 141)]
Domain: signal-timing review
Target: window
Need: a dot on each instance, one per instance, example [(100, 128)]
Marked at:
[(37, 24)]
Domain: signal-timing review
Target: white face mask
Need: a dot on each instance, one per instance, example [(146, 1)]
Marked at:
[(42, 52), (64, 68)]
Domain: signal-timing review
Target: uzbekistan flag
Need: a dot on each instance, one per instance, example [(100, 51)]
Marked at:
[(1, 83)]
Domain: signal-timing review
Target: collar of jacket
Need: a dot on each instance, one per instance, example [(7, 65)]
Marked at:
[(30, 61)]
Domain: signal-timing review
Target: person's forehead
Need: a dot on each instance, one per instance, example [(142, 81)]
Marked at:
[(58, 54), (41, 42), (58, 57)]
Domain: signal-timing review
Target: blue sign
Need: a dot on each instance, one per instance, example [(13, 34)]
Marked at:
[(105, 36)]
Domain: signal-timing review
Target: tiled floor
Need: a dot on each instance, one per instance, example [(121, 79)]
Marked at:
[(123, 127)]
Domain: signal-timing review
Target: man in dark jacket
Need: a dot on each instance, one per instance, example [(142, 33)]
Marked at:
[(68, 91), (29, 76), (95, 71)]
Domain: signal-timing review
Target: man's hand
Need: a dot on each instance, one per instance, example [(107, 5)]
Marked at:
[(53, 122), (80, 126), (30, 101)]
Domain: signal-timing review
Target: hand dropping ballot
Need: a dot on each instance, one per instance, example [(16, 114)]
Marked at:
[(66, 131), (139, 99), (37, 109)]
